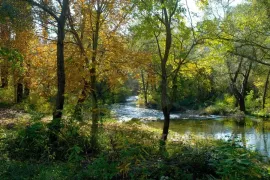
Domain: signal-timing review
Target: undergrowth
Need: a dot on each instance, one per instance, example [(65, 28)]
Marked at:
[(126, 151)]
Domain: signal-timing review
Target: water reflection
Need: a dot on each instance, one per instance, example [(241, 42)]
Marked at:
[(250, 132), (253, 134)]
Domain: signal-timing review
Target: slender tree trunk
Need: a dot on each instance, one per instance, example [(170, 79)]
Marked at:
[(79, 106), (95, 110), (85, 92), (93, 83), (165, 104), (92, 73), (144, 88), (265, 89), (78, 109)]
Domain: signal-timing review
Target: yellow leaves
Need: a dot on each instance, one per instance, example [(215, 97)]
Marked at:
[(189, 70), (259, 83), (40, 67)]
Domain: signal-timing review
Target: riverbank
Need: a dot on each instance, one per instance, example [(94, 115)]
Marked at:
[(128, 150)]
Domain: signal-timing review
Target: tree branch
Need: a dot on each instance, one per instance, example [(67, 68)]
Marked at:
[(45, 8)]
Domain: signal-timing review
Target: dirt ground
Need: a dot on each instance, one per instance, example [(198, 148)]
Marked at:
[(11, 117)]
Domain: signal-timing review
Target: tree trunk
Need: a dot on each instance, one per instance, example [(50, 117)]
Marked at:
[(78, 109), (61, 79), (241, 102), (265, 89), (60, 72), (93, 83), (95, 111), (165, 104), (18, 92), (145, 89), (164, 97), (166, 124), (240, 94), (79, 106)]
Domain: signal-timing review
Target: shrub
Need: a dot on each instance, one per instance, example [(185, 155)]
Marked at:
[(30, 143), (251, 103), (222, 107), (7, 95), (127, 151), (235, 162), (34, 142)]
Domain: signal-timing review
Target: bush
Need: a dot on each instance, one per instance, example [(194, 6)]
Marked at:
[(14, 170), (7, 95), (30, 143), (251, 103), (34, 143), (127, 151), (222, 107), (235, 162)]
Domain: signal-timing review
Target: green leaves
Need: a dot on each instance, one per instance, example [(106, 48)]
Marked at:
[(12, 11), (74, 154), (233, 161), (11, 54)]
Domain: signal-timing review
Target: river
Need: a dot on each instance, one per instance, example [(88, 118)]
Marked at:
[(254, 133)]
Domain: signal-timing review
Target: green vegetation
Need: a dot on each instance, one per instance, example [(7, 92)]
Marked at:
[(64, 64), (127, 151)]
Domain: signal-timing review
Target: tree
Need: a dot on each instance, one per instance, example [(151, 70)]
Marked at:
[(265, 89), (175, 42), (60, 21), (14, 44), (239, 90), (93, 24), (241, 37), (158, 17)]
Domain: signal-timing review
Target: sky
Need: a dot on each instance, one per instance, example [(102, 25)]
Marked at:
[(194, 8)]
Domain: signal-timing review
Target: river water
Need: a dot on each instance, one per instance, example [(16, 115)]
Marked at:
[(254, 133)]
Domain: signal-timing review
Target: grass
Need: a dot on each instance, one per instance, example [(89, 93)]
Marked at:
[(126, 151)]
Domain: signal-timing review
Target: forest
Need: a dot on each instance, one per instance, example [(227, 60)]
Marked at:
[(134, 89)]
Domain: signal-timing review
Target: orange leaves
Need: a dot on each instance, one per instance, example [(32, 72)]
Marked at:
[(41, 67)]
